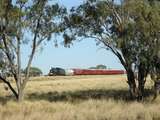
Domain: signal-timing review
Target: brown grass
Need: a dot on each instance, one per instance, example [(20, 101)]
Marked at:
[(78, 98)]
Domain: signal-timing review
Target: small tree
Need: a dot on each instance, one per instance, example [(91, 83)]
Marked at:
[(19, 19), (101, 67), (34, 71)]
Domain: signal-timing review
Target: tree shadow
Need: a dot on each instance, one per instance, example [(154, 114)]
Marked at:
[(81, 95), (5, 99), (86, 95)]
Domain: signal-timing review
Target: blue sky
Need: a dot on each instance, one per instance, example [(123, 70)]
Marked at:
[(82, 54)]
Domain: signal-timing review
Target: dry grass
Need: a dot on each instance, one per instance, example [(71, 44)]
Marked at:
[(78, 98)]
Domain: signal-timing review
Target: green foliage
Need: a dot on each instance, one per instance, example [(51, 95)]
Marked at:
[(48, 19), (34, 71), (5, 70), (38, 19), (130, 30), (1, 60), (100, 66)]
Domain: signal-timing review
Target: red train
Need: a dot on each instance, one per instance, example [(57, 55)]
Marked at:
[(68, 72), (97, 72)]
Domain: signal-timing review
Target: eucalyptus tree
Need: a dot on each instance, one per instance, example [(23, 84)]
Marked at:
[(38, 19), (126, 28), (149, 28)]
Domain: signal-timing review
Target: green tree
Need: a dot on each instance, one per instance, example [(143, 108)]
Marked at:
[(34, 71), (19, 19), (92, 68), (128, 29), (100, 66)]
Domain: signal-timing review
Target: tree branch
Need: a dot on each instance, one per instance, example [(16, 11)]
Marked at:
[(34, 46), (7, 52), (9, 85), (115, 13), (116, 52)]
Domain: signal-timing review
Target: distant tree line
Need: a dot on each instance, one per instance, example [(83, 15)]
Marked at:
[(99, 67)]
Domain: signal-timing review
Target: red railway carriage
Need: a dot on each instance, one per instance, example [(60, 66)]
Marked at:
[(97, 72)]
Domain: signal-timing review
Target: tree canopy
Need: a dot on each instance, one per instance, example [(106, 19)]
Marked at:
[(130, 30), (21, 22)]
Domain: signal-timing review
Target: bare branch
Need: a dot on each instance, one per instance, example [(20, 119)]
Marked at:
[(9, 85), (114, 51), (34, 46)]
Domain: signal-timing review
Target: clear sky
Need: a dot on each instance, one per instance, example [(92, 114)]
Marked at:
[(82, 54)]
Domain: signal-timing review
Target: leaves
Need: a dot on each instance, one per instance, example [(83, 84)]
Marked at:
[(130, 28), (26, 21)]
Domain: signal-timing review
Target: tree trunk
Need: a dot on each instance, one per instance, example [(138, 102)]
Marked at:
[(141, 83), (132, 84), (20, 89), (20, 94), (142, 73), (156, 89)]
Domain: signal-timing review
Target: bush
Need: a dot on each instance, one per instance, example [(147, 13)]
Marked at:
[(34, 71)]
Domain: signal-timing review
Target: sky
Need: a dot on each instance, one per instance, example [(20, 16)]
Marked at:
[(83, 54)]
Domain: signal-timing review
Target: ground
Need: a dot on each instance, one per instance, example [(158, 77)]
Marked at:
[(78, 98)]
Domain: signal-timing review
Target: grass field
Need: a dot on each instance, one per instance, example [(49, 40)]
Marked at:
[(78, 98)]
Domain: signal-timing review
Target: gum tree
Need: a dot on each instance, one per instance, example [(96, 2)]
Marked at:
[(127, 29), (38, 19)]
